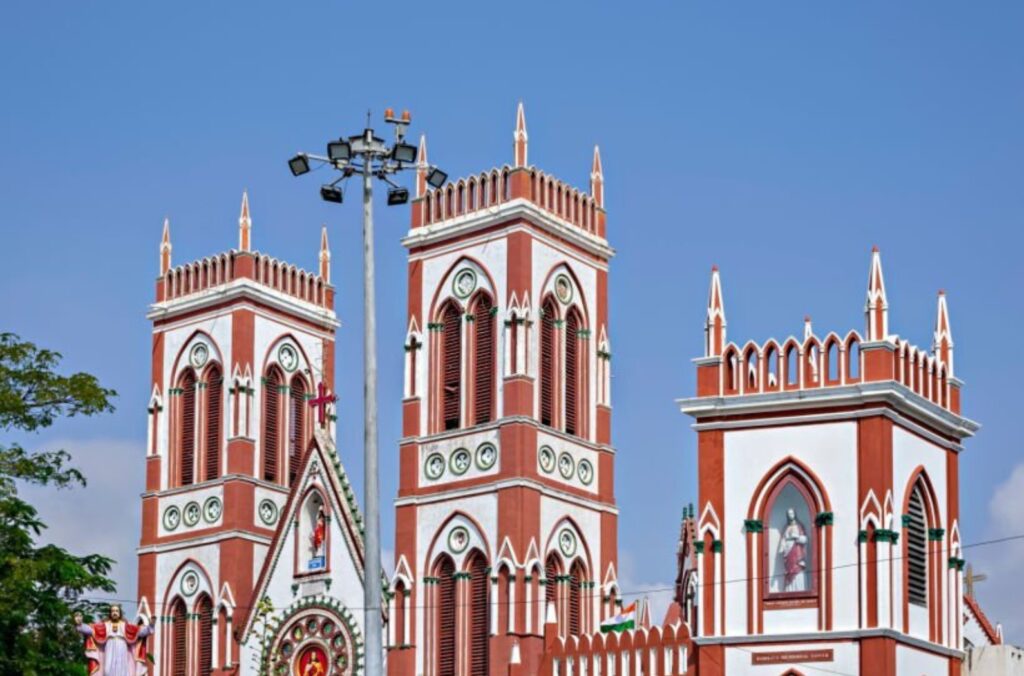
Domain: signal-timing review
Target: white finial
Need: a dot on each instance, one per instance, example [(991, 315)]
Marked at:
[(520, 138)]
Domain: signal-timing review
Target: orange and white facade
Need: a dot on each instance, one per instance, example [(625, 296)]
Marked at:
[(827, 529), (241, 342), (506, 506)]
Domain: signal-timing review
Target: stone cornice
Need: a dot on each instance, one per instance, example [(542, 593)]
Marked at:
[(898, 396), (517, 208)]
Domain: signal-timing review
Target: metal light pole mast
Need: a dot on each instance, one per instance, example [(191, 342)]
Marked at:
[(374, 648), (373, 158)]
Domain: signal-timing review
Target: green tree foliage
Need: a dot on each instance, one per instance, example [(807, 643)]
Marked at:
[(41, 586)]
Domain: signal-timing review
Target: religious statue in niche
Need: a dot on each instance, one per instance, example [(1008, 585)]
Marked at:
[(790, 555), (312, 662), (115, 647), (317, 538)]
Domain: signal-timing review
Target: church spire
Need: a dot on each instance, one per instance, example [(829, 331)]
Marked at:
[(521, 138), (876, 309), (244, 224), (942, 345), (422, 167), (325, 256), (597, 179), (165, 248), (714, 325)]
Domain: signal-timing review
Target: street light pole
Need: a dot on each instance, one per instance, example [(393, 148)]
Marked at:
[(374, 649), (373, 158)]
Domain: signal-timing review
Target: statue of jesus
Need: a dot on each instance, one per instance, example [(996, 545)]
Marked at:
[(793, 551), (114, 647)]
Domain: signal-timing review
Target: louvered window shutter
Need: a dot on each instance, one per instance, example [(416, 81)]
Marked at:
[(479, 653), (205, 636), (452, 367), (270, 404), (917, 551), (572, 385), (484, 375), (550, 584), (179, 662), (214, 403), (188, 429), (547, 364), (297, 427), (575, 598), (446, 620)]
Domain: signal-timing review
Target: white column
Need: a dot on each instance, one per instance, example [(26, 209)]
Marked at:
[(495, 589), (227, 649)]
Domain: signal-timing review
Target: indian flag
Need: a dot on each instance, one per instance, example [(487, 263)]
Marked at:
[(626, 619)]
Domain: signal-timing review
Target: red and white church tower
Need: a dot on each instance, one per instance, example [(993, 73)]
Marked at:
[(827, 533), (241, 341), (505, 513)]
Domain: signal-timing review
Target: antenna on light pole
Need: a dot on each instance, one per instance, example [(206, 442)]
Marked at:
[(372, 157)]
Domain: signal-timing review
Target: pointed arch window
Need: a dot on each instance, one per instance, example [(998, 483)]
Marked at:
[(187, 429), (179, 639), (917, 548), (575, 370), (790, 546), (552, 571), (547, 362), (296, 426), (451, 366), (483, 349), (479, 616), (214, 420), (204, 644), (271, 423), (446, 617), (576, 579)]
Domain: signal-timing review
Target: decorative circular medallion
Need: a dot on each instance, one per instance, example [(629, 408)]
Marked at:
[(212, 509), (458, 539), (567, 542), (460, 462), (464, 283), (199, 354), (546, 458), (268, 512), (189, 583), (191, 513), (288, 357), (172, 517), (434, 466), (563, 289), (585, 471), (566, 466), (313, 642), (486, 456)]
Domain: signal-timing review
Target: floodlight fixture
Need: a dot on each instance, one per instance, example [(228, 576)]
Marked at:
[(331, 193), (436, 177), (397, 196), (339, 151), (299, 164), (404, 152)]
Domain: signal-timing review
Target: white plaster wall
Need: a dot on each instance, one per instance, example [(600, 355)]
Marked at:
[(180, 500), (914, 662), (830, 451), (561, 445), (205, 559), (908, 453), (483, 509), (447, 446), (553, 513), (846, 659)]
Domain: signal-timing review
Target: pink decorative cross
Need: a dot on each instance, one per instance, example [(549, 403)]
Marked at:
[(322, 401)]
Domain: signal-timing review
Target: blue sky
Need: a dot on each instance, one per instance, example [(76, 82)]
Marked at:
[(778, 140)]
